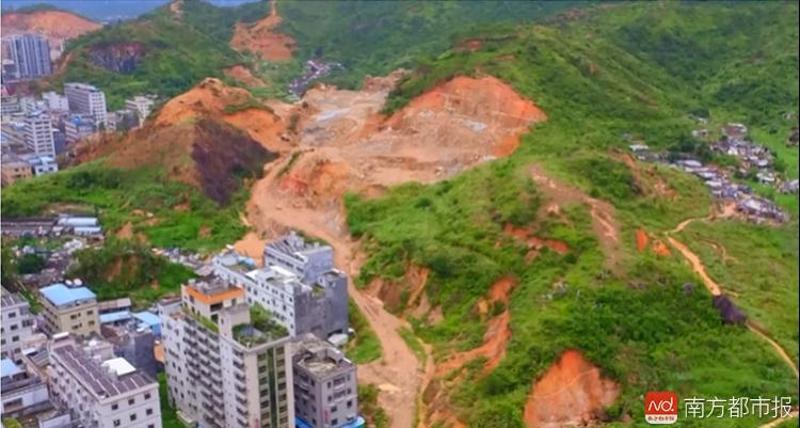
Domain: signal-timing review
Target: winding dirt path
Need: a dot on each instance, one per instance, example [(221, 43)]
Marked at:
[(715, 289)]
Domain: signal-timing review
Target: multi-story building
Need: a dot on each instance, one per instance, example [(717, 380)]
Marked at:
[(308, 260), (30, 54), (17, 324), (78, 126), (23, 394), (39, 134), (325, 385), (227, 363), (141, 105), (9, 105), (69, 309), (100, 390), (40, 165), (13, 169), (55, 101), (317, 306), (87, 99)]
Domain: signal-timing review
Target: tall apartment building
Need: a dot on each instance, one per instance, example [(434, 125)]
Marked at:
[(17, 324), (69, 309), (87, 99), (325, 385), (308, 260), (318, 305), (30, 54), (141, 105), (100, 390), (226, 367), (39, 134)]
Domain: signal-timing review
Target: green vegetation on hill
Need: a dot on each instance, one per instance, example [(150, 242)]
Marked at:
[(637, 321), (123, 268), (376, 38), (172, 54), (168, 213)]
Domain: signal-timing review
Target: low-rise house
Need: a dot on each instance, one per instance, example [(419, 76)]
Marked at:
[(14, 169), (23, 394), (790, 186), (17, 324), (77, 127), (40, 165), (69, 309)]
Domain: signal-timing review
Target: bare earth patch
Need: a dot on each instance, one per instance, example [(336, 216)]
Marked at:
[(261, 38), (572, 392)]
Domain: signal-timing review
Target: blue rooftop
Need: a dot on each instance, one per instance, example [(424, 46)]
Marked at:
[(8, 368), (113, 317), (148, 318), (359, 422), (60, 294)]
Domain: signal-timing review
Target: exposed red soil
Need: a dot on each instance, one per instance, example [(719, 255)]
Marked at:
[(210, 98), (242, 74), (572, 392), (391, 292), (641, 240), (658, 246), (55, 25), (251, 245), (497, 333), (535, 243), (261, 39)]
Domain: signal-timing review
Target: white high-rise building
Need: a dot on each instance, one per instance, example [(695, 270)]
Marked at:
[(226, 367), (55, 101), (39, 134), (87, 99), (30, 54)]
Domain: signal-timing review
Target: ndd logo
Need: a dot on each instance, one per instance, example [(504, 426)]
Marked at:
[(661, 407)]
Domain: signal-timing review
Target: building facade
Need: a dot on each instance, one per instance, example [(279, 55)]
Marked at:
[(14, 169), (141, 105), (77, 127), (55, 102), (17, 324), (39, 134), (224, 367), (100, 390), (30, 54), (319, 306), (308, 260), (87, 99), (325, 385), (69, 309), (23, 394)]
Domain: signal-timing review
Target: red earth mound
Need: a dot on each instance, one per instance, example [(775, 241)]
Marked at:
[(572, 392)]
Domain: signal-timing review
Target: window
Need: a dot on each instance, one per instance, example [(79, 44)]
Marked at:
[(133, 417), (349, 403), (147, 396), (12, 314), (114, 406), (131, 401), (151, 426), (335, 421), (333, 409), (90, 312), (117, 422), (149, 412), (15, 339), (14, 327)]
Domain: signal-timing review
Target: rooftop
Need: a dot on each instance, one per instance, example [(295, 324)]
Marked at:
[(147, 317), (8, 368), (60, 294), (319, 357), (11, 299), (95, 377), (113, 317), (261, 329), (293, 243), (211, 290)]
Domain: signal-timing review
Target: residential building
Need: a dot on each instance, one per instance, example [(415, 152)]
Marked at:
[(40, 165), (69, 309), (141, 105), (121, 120), (77, 127), (17, 324), (9, 105), (306, 259), (23, 394), (101, 390), (227, 364), (135, 343), (14, 169), (39, 134), (31, 104), (325, 385), (87, 99), (318, 305), (55, 101), (30, 54)]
